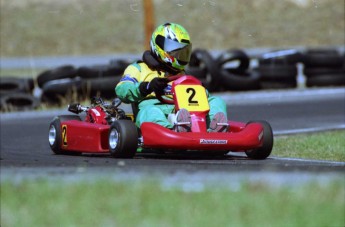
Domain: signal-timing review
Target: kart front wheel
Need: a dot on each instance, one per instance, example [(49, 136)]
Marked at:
[(123, 139), (55, 133), (265, 150)]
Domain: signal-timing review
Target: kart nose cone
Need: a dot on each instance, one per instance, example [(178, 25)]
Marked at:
[(113, 138), (52, 135)]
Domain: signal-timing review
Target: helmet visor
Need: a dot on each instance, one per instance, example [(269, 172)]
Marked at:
[(180, 51), (183, 54)]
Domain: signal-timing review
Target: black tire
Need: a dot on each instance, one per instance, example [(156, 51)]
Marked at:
[(55, 133), (237, 78), (326, 80), (281, 57), (311, 72), (57, 90), (277, 72), (10, 85), (123, 139), (323, 58), (63, 72), (103, 87), (265, 150), (245, 81), (19, 102), (328, 51), (121, 63), (279, 84), (97, 71), (234, 55), (200, 73), (202, 59)]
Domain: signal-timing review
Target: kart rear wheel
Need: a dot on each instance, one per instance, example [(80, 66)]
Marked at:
[(55, 133), (123, 139), (265, 150)]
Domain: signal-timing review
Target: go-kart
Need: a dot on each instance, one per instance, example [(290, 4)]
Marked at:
[(109, 129)]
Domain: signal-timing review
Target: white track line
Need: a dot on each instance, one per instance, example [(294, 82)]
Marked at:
[(308, 130)]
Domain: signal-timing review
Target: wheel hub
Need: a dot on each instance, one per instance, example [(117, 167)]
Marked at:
[(52, 135), (113, 139)]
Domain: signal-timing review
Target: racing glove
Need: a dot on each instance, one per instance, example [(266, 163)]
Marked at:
[(156, 85)]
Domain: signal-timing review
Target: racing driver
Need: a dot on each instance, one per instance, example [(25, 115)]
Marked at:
[(170, 52)]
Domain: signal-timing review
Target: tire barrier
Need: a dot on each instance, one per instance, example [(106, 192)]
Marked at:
[(98, 71), (10, 85), (62, 91), (63, 72), (324, 67), (231, 70), (326, 80), (121, 64), (278, 69), (199, 72), (18, 102), (329, 58), (67, 83), (233, 67), (281, 57), (102, 87), (16, 94), (234, 55), (78, 89), (277, 76), (208, 72)]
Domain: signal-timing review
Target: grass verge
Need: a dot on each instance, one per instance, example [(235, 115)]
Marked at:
[(320, 146), (104, 203)]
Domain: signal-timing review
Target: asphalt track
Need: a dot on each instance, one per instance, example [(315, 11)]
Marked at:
[(25, 150)]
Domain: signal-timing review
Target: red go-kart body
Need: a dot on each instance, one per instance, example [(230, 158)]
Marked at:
[(102, 133)]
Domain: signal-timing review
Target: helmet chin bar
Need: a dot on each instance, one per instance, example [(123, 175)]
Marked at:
[(172, 70), (155, 63)]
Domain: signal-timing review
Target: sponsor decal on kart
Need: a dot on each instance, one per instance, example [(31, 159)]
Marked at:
[(205, 141), (64, 135)]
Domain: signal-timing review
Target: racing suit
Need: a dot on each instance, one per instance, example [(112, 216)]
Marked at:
[(150, 108)]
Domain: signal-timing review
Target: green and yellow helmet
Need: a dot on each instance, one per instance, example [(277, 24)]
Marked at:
[(170, 43)]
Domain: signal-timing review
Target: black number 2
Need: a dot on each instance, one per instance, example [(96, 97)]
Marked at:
[(190, 99)]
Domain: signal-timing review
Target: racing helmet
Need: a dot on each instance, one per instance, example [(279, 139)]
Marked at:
[(170, 43)]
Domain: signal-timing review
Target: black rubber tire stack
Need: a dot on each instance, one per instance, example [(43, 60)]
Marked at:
[(67, 83), (16, 94), (235, 75), (100, 80), (203, 66), (58, 83), (278, 69), (324, 67)]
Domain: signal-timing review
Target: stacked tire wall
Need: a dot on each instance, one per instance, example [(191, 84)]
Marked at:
[(67, 83), (235, 73), (278, 69), (231, 70), (324, 67), (16, 94)]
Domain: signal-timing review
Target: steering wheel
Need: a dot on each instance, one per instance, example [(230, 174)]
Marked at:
[(160, 95)]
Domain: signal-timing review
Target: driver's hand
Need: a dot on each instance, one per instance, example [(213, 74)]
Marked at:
[(156, 85)]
